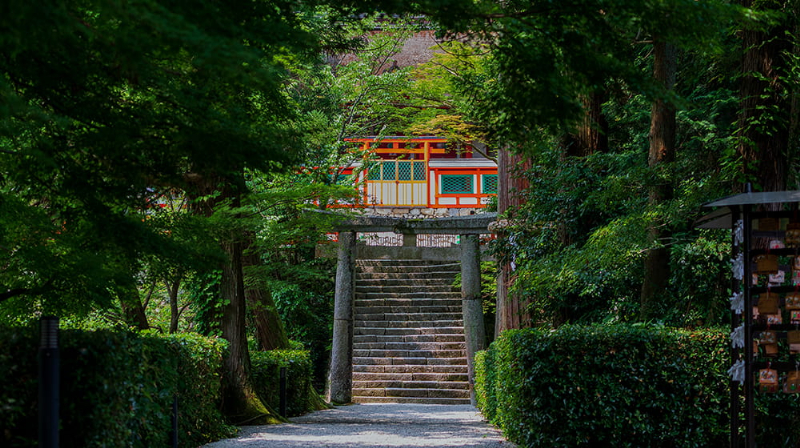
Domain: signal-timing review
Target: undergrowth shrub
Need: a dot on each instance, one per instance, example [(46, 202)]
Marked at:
[(117, 388), (485, 381), (604, 386), (265, 372), (199, 387)]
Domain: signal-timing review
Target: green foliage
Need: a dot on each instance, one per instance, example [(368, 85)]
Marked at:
[(488, 288), (18, 392), (265, 370), (207, 303), (117, 388), (580, 237), (115, 104), (288, 230), (612, 385), (777, 419), (199, 373), (618, 385), (486, 382), (355, 94), (445, 89), (546, 56), (307, 311), (700, 279)]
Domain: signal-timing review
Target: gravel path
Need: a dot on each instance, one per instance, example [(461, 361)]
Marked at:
[(376, 425)]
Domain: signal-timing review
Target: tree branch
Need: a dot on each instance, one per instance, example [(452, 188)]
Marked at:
[(13, 293)]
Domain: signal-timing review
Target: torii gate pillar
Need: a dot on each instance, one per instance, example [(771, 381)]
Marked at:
[(340, 379), (472, 309)]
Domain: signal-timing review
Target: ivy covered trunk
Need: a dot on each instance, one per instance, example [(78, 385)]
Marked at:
[(767, 106), (590, 137), (660, 157)]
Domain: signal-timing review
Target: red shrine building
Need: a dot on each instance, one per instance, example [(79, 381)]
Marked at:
[(418, 177), (422, 177)]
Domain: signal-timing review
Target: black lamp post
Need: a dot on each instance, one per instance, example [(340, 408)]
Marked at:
[(48, 383)]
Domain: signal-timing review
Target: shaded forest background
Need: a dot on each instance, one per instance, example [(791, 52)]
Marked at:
[(150, 154)]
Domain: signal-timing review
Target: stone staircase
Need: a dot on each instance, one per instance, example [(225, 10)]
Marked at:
[(408, 342)]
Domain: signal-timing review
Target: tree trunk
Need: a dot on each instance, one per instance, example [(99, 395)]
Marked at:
[(133, 310), (240, 403), (270, 332), (766, 110), (511, 311), (173, 288), (661, 155), (592, 135)]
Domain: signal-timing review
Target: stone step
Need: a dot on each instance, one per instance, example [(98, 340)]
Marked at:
[(385, 331), (433, 295), (409, 309), (367, 316), (413, 369), (415, 272), (408, 346), (415, 354), (409, 376), (408, 323), (410, 400), (405, 281), (406, 302), (398, 384), (421, 275), (405, 361), (403, 289), (413, 392), (409, 338), (404, 269)]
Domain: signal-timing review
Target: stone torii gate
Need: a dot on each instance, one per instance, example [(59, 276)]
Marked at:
[(340, 383)]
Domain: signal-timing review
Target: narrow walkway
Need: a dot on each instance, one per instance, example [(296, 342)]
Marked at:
[(376, 425)]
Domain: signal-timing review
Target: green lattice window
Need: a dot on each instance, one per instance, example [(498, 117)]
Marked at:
[(489, 183), (389, 171), (456, 183), (419, 171), (406, 170), (403, 170), (374, 172)]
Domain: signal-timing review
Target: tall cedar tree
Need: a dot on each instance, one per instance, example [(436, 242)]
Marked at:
[(768, 100), (661, 155)]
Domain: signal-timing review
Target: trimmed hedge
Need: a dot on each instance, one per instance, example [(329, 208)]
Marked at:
[(117, 388), (617, 385), (265, 372)]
